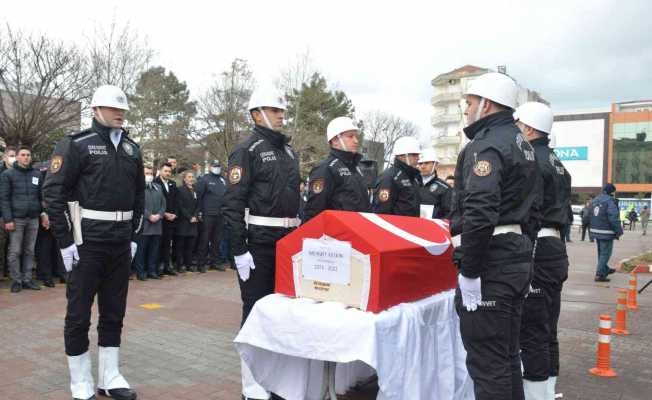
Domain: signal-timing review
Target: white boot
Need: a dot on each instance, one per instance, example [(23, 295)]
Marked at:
[(108, 375), (81, 379), (250, 388), (550, 389), (535, 390)]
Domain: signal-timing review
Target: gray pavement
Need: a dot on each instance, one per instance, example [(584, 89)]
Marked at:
[(183, 350)]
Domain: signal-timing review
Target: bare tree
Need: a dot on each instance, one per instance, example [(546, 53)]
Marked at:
[(292, 78), (222, 109), (42, 82), (118, 55), (382, 127)]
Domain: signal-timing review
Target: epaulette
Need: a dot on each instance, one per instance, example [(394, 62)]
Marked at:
[(85, 134), (332, 163), (130, 140)]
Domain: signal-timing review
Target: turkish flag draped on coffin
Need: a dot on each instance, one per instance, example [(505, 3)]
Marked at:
[(394, 259)]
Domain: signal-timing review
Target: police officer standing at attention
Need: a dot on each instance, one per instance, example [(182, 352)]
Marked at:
[(100, 168), (397, 188), (434, 191), (263, 176), (539, 344), (337, 183), (210, 192), (495, 178)]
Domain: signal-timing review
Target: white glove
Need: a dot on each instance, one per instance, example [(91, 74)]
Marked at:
[(244, 263), (134, 247), (69, 255), (471, 292)]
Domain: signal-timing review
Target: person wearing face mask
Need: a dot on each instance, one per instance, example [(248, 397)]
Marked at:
[(147, 254), (397, 188), (539, 344), (434, 191), (263, 176), (210, 193), (495, 179), (338, 183), (101, 168)]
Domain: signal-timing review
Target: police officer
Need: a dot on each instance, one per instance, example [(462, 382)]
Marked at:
[(495, 178), (338, 183), (263, 176), (434, 191), (102, 169), (397, 188), (539, 345), (210, 193), (605, 227)]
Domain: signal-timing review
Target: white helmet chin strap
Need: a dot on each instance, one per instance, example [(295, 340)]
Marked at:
[(339, 138), (269, 125), (100, 117), (479, 110)]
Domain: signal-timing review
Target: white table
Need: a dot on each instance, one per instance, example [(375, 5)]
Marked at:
[(414, 348)]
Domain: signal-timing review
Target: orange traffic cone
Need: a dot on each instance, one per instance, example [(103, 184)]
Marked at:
[(632, 304), (603, 363), (621, 314)]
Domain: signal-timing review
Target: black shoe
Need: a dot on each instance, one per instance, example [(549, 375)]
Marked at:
[(192, 269), (602, 279), (220, 267), (62, 280), (181, 269), (142, 278), (170, 272), (153, 276), (202, 269), (277, 397), (119, 394), (611, 271), (16, 287), (48, 283), (31, 285)]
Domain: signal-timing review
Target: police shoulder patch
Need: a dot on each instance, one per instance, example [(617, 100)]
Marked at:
[(235, 174), (383, 195), (482, 168), (128, 148), (55, 164), (317, 186)]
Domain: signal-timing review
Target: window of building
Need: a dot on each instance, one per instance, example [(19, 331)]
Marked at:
[(632, 152)]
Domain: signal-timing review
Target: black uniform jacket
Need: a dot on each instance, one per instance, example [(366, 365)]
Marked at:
[(170, 195), (554, 192), (187, 208), (397, 191), (263, 176), (495, 179), (210, 193), (337, 183), (435, 193), (86, 167)]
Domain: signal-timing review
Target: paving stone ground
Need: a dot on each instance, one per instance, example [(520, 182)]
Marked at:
[(184, 349)]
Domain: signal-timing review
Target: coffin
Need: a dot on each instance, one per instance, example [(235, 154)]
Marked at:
[(368, 261)]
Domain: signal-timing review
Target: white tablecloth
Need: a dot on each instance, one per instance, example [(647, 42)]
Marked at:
[(415, 348)]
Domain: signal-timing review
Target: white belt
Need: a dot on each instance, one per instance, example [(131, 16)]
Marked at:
[(499, 230), (549, 232), (116, 216), (605, 231), (274, 221)]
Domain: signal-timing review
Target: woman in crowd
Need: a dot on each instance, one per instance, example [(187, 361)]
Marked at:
[(187, 222)]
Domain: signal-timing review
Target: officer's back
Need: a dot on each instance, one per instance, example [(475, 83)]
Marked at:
[(605, 222)]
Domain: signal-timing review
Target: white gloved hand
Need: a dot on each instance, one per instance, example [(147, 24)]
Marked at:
[(244, 263), (471, 289), (134, 247), (69, 255)]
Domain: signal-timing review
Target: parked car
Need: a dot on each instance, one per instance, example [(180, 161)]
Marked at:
[(577, 214)]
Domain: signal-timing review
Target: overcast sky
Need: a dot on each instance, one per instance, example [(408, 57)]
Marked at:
[(384, 54)]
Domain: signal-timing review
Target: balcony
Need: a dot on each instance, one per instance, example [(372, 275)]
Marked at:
[(445, 118), (447, 97), (446, 140)]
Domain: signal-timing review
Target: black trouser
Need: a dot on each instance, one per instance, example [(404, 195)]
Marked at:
[(491, 333), (261, 279), (48, 255), (166, 243), (103, 269), (209, 240), (539, 344), (183, 248), (585, 227)]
